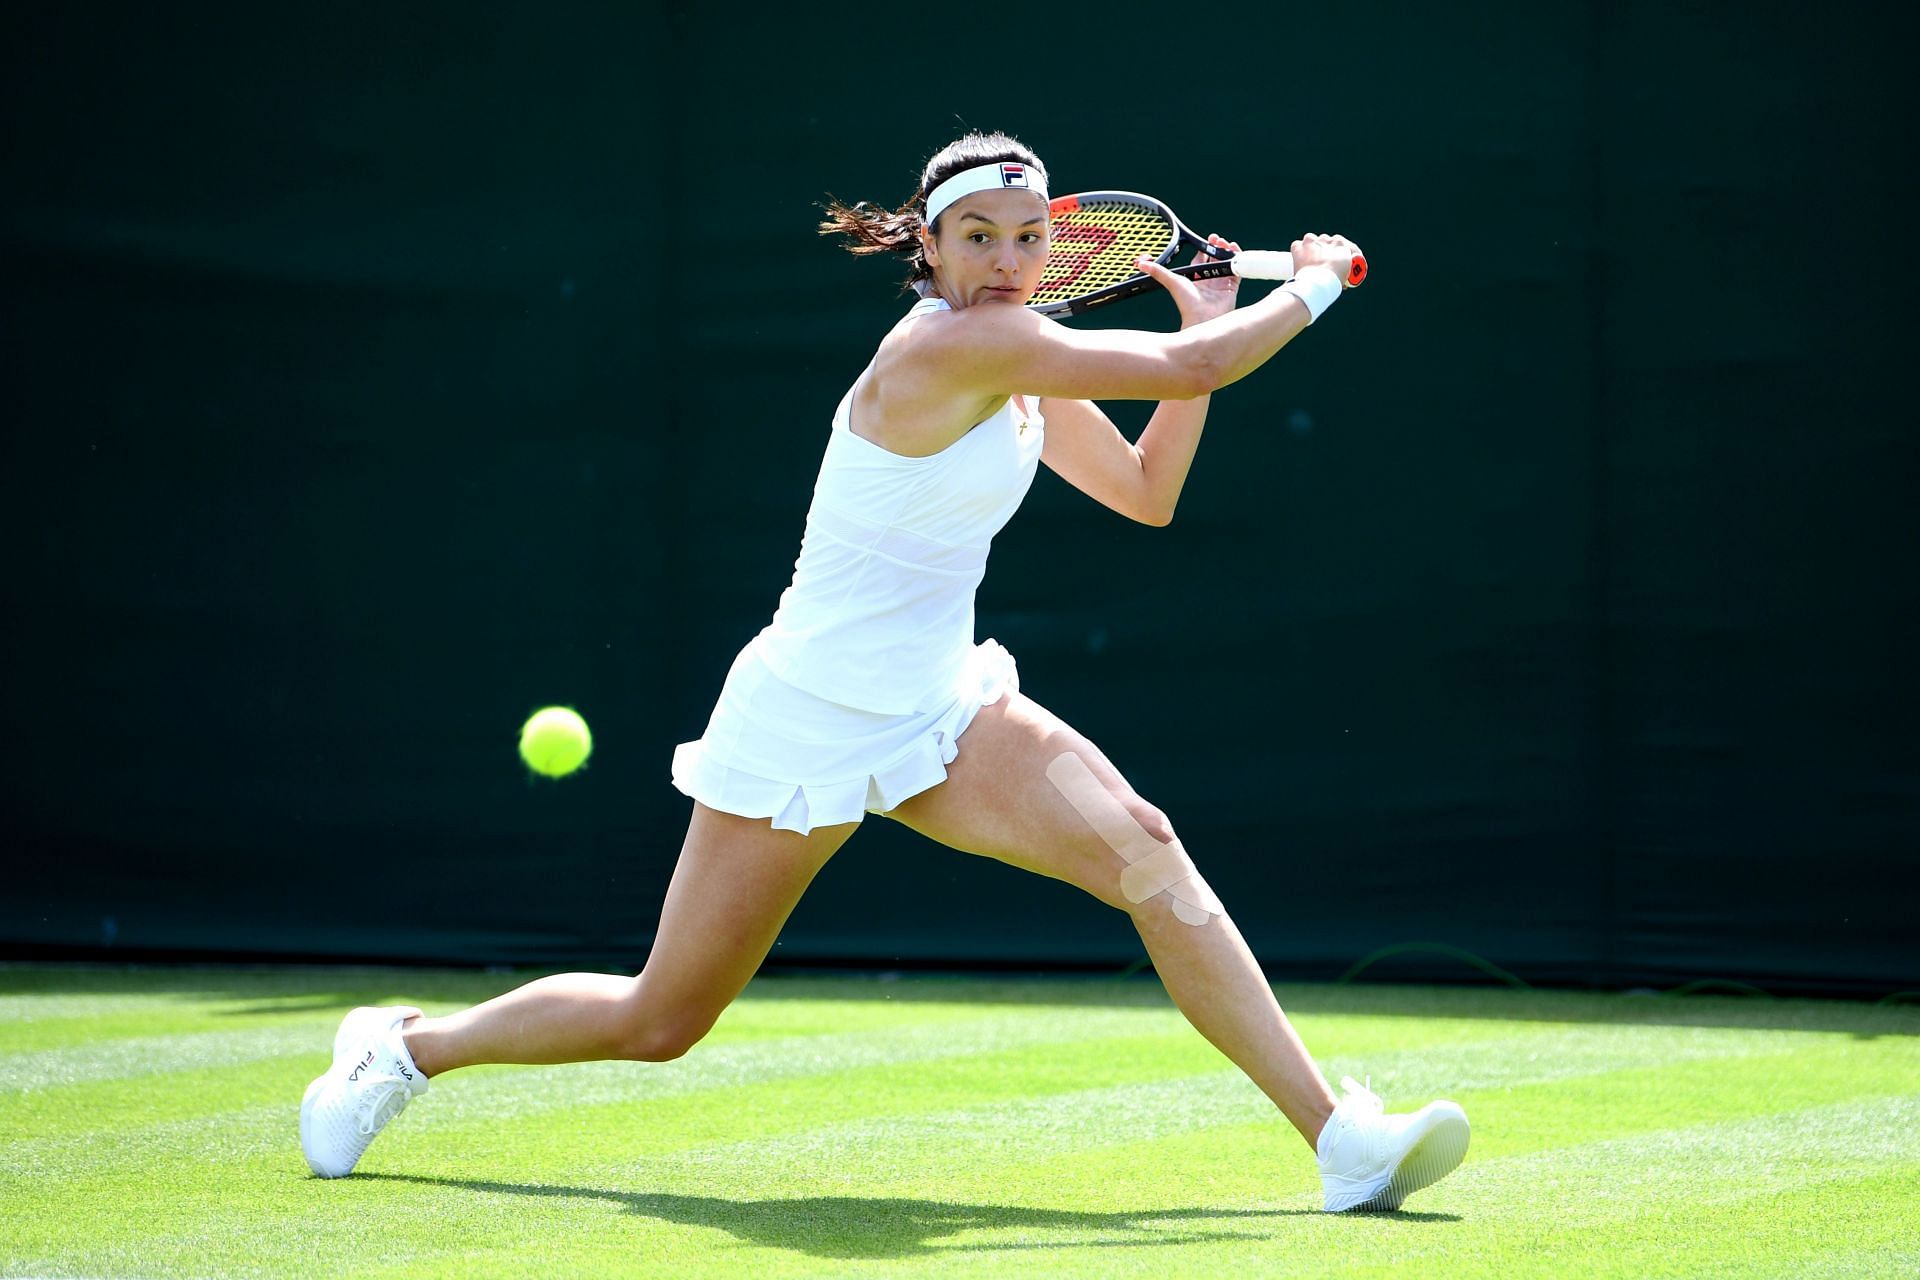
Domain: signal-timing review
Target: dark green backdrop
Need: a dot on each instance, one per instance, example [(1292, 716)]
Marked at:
[(380, 374)]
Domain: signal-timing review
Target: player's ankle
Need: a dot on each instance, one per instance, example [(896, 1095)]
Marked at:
[(417, 1047)]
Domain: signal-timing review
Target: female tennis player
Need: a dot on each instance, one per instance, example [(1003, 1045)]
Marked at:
[(867, 693)]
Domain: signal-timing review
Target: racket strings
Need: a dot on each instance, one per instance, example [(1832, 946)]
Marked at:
[(1094, 246)]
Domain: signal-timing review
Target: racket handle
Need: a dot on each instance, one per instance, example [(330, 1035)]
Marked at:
[(1274, 264)]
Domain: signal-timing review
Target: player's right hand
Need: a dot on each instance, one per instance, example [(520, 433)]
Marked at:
[(1336, 253)]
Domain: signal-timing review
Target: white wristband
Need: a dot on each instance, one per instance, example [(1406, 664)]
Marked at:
[(1317, 287)]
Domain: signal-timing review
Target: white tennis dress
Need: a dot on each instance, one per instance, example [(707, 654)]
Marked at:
[(855, 696)]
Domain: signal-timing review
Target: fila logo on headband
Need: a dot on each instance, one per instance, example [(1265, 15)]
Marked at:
[(994, 175)]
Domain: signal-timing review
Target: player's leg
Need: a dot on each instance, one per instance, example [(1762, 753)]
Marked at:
[(733, 888), (736, 882), (999, 800), (1028, 790)]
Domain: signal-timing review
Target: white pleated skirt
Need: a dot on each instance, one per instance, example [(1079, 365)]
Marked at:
[(772, 750)]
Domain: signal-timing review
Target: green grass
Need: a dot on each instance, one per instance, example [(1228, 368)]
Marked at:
[(927, 1126)]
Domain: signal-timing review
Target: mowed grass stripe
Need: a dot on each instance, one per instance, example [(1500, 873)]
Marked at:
[(42, 1052), (1602, 1008), (1578, 1049), (164, 1001), (32, 992), (792, 1006), (43, 1055), (612, 1132), (1661, 1218), (1600, 1180), (509, 1221), (79, 1107), (504, 1107), (142, 1056), (107, 1122), (1540, 1115), (1846, 1226)]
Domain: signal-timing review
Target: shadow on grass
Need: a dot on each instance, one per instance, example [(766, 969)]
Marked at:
[(255, 991), (891, 1227)]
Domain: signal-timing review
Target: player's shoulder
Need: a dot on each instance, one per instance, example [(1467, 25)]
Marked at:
[(968, 348), (986, 327)]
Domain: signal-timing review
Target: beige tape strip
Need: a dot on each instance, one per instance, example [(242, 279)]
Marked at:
[(1152, 867), (1156, 873)]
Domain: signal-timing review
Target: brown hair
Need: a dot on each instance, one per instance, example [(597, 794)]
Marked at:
[(873, 229)]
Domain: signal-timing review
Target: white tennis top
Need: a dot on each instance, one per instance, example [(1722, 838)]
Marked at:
[(879, 615)]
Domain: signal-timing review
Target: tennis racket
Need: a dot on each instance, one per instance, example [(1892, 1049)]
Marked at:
[(1095, 236)]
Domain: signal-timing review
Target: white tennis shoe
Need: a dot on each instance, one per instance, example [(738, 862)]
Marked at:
[(370, 1082), (1373, 1161)]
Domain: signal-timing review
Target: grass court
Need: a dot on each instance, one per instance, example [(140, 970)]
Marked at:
[(935, 1126)]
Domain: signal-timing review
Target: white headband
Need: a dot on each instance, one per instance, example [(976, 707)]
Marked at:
[(984, 177)]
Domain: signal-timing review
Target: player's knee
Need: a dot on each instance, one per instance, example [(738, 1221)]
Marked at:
[(651, 1031), (1109, 853), (1140, 846), (1152, 872), (661, 1039)]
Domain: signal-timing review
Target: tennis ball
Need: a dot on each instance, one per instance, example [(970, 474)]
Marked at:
[(555, 741)]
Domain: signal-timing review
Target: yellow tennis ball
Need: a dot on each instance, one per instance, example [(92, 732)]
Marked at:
[(555, 741)]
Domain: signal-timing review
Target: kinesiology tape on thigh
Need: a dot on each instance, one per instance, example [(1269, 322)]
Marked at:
[(1152, 867)]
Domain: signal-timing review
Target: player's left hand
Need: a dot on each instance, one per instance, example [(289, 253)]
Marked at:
[(1198, 300)]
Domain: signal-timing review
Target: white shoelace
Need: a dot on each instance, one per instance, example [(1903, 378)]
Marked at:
[(1364, 1111), (1362, 1096), (381, 1098)]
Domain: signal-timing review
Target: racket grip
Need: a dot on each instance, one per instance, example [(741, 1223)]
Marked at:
[(1263, 264), (1275, 264)]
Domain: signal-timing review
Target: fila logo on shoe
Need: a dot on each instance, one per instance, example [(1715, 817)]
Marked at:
[(353, 1076)]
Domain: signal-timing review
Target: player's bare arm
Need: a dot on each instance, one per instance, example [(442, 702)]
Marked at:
[(1143, 480)]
